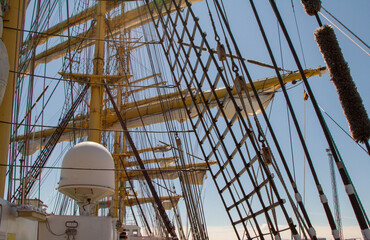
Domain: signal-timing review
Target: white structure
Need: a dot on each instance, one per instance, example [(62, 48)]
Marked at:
[(12, 226), (78, 227), (87, 175)]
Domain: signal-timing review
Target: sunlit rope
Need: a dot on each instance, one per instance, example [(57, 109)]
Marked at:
[(345, 34)]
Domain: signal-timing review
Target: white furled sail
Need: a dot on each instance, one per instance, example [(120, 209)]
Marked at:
[(153, 113), (145, 118), (1, 21), (4, 67), (4, 60)]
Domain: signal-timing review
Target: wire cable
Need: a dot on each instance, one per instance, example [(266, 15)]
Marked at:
[(346, 27)]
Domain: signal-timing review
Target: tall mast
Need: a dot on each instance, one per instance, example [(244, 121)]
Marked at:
[(118, 207), (117, 143), (123, 70), (96, 89), (13, 19)]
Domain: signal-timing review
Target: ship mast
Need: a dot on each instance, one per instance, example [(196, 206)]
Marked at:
[(117, 140), (13, 21), (119, 196), (96, 89)]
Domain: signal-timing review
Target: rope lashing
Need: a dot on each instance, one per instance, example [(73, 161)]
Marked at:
[(311, 7), (339, 72)]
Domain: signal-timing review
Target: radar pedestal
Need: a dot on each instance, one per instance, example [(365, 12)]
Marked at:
[(87, 175)]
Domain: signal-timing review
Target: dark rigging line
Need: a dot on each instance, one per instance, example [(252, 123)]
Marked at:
[(223, 12), (343, 33), (91, 83), (358, 38), (99, 129), (291, 144), (344, 175), (291, 225), (336, 123), (163, 214), (236, 70), (304, 146), (76, 37), (136, 198), (299, 34)]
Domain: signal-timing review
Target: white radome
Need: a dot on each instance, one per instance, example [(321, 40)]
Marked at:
[(87, 185)]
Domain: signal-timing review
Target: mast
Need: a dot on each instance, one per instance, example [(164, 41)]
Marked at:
[(13, 19), (117, 143), (119, 196), (96, 89)]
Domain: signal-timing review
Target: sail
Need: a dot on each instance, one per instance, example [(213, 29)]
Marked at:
[(4, 67), (4, 61), (153, 112)]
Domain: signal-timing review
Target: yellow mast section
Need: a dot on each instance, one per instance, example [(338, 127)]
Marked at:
[(13, 19), (194, 167), (75, 20), (96, 97), (128, 21), (141, 200)]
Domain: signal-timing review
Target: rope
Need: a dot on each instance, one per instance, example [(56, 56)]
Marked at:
[(100, 129), (291, 145), (95, 83), (325, 205), (336, 123), (137, 200), (324, 127), (346, 35), (299, 34), (217, 38), (345, 27)]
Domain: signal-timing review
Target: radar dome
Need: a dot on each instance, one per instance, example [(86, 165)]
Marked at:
[(86, 185)]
